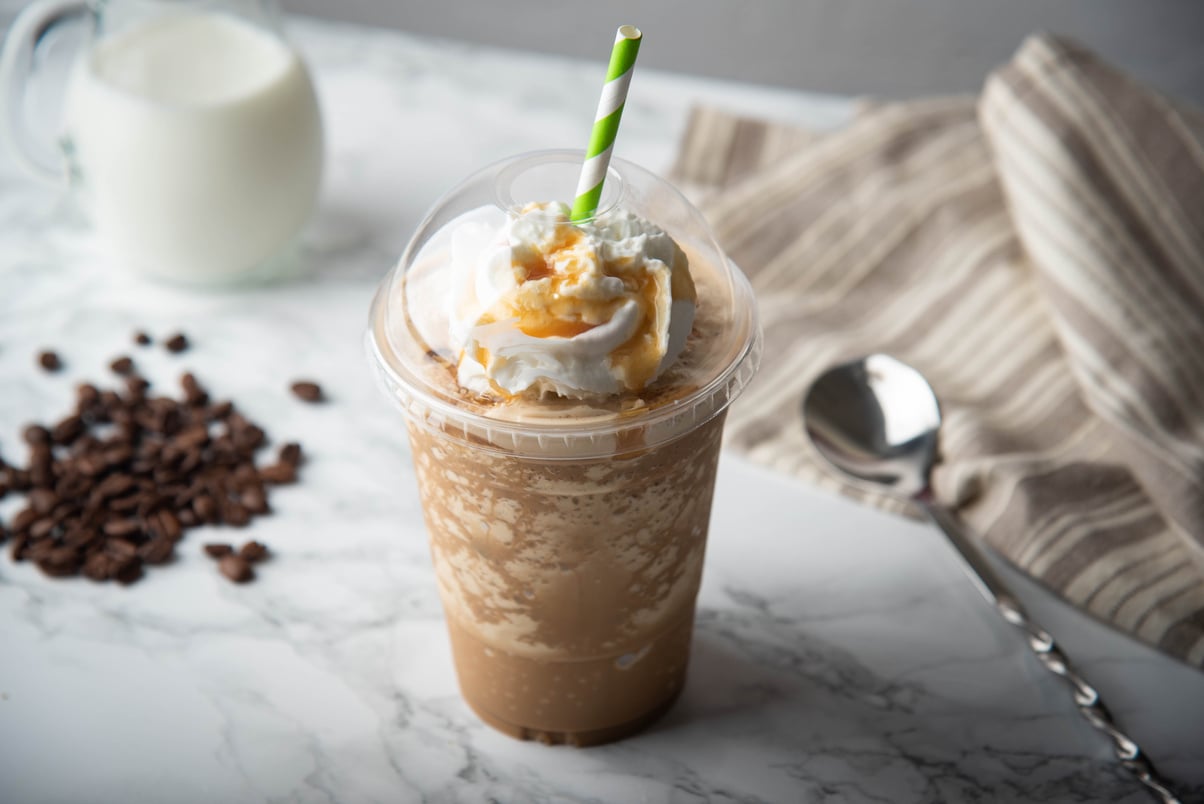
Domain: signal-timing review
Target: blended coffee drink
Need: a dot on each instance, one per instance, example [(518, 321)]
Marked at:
[(565, 385)]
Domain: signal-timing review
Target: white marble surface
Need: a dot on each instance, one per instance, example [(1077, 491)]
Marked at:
[(840, 655)]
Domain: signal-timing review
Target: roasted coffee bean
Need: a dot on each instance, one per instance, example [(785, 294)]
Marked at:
[(236, 568), (16, 550), (18, 479), (66, 431), (41, 476), (122, 365), (157, 551), (54, 569), (136, 387), (127, 570), (89, 466), (235, 514), (60, 562), (41, 528), (24, 519), (49, 360), (254, 551), (169, 457), (118, 454), (164, 524), (126, 432), (279, 474), (65, 512), (205, 508), (122, 528), (176, 343), (291, 454), (84, 443), (122, 548), (182, 497), (307, 391), (254, 500), (42, 500), (148, 503), (38, 549), (142, 339), (41, 467), (87, 395), (188, 518), (243, 476), (36, 435), (125, 505), (217, 550), (221, 410), (142, 467), (194, 394), (97, 567), (192, 461), (224, 452), (248, 439), (66, 555), (170, 421), (165, 475), (192, 437), (80, 537), (74, 484), (114, 486)]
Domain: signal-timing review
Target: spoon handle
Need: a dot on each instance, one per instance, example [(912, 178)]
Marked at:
[(1086, 698)]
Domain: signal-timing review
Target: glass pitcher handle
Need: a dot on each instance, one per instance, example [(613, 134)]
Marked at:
[(17, 64)]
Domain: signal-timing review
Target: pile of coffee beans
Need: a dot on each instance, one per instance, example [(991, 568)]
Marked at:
[(111, 488)]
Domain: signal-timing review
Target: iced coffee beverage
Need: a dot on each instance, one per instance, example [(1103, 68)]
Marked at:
[(564, 385)]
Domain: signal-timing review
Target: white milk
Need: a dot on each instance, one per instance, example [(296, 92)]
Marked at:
[(199, 142)]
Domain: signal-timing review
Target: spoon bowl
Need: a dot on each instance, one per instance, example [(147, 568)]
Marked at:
[(876, 419)]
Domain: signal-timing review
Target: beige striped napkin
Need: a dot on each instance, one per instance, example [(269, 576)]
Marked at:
[(1038, 253)]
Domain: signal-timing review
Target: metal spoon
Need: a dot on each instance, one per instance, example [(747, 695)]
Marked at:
[(876, 419)]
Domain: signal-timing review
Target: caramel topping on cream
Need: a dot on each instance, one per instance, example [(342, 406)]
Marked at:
[(574, 310)]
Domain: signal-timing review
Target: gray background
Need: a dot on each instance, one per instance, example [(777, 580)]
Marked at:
[(890, 48)]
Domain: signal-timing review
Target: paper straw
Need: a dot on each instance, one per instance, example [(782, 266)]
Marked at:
[(606, 121)]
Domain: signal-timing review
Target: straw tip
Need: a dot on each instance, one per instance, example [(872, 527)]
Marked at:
[(629, 32)]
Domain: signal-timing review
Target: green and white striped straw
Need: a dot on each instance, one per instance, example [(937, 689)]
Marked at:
[(606, 122)]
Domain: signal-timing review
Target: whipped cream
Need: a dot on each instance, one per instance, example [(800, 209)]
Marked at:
[(540, 305)]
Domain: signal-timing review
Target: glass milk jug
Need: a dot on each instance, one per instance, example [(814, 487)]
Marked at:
[(190, 129)]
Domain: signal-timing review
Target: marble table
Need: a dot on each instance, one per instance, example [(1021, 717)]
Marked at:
[(840, 654)]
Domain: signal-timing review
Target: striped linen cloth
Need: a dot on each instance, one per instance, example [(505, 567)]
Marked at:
[(1038, 253)]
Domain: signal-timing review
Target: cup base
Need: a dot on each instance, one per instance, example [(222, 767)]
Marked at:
[(577, 739), (575, 702)]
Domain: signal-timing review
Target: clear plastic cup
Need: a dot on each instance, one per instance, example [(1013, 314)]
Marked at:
[(567, 538)]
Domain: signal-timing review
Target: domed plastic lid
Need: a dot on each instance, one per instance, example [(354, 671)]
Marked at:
[(409, 341)]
